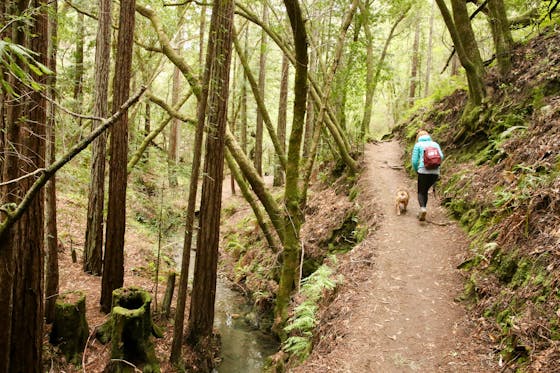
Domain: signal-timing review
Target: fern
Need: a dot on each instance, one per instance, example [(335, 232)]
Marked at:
[(304, 319)]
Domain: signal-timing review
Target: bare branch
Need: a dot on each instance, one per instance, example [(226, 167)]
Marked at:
[(47, 173)]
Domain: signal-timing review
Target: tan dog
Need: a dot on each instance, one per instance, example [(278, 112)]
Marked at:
[(401, 201)]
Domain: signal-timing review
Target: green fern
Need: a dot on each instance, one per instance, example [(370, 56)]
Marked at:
[(304, 319)]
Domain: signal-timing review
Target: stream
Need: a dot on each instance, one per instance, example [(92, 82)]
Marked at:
[(244, 348)]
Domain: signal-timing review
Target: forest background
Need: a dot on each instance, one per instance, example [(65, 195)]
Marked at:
[(367, 65)]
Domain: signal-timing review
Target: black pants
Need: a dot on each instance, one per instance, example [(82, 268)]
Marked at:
[(425, 181)]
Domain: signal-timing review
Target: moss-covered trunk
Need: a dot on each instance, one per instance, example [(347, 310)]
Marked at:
[(293, 218)]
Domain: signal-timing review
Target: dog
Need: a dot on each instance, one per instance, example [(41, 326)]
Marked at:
[(401, 201)]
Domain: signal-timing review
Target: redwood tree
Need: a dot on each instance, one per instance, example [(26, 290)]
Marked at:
[(113, 268), (51, 233), (21, 245), (201, 317), (93, 247)]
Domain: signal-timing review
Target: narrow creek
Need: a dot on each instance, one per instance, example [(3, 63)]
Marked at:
[(244, 348)]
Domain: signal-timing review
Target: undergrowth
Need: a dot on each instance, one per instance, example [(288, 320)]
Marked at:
[(303, 321)]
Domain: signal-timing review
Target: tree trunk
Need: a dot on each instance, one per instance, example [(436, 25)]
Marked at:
[(173, 146), (147, 126), (257, 184), (259, 98), (261, 89), (179, 320), (414, 66), (28, 241), (93, 246), (113, 269), (263, 224), (70, 328), (460, 29), (243, 108), (174, 131), (429, 52), (501, 33), (201, 317), (169, 290), (282, 115), (51, 234), (79, 65), (293, 219), (201, 33)]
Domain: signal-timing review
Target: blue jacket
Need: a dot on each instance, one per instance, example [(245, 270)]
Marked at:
[(418, 155)]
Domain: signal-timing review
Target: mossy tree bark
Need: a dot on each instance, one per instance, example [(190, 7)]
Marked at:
[(460, 29), (263, 224), (70, 328), (501, 33), (282, 115), (293, 218), (261, 86), (131, 328)]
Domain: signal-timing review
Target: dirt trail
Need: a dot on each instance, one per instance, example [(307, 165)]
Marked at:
[(401, 316)]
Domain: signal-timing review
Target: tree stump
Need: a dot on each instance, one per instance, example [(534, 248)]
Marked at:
[(131, 328), (166, 307), (70, 329)]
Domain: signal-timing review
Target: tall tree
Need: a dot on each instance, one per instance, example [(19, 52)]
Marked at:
[(414, 68), (201, 317), (282, 114), (293, 219), (429, 51), (243, 109), (79, 63), (10, 193), (262, 81), (51, 234), (113, 268), (93, 247), (22, 243), (173, 145), (501, 33)]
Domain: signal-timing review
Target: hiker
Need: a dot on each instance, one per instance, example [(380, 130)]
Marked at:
[(426, 161)]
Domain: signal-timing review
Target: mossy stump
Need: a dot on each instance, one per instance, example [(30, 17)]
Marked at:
[(131, 327), (70, 328)]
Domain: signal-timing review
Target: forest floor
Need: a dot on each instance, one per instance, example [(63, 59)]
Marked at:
[(397, 310)]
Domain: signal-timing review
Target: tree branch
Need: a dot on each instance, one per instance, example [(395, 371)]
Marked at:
[(13, 215)]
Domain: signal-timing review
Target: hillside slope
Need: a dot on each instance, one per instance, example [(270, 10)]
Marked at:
[(501, 180)]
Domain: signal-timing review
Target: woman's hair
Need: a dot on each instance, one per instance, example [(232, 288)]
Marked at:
[(421, 133)]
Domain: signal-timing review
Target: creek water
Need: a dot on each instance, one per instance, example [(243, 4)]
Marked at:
[(244, 348)]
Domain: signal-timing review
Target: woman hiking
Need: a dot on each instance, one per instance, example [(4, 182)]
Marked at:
[(426, 161)]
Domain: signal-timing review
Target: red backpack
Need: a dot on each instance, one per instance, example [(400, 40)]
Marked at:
[(432, 158)]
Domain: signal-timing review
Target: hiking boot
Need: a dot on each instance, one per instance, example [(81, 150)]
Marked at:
[(422, 214)]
